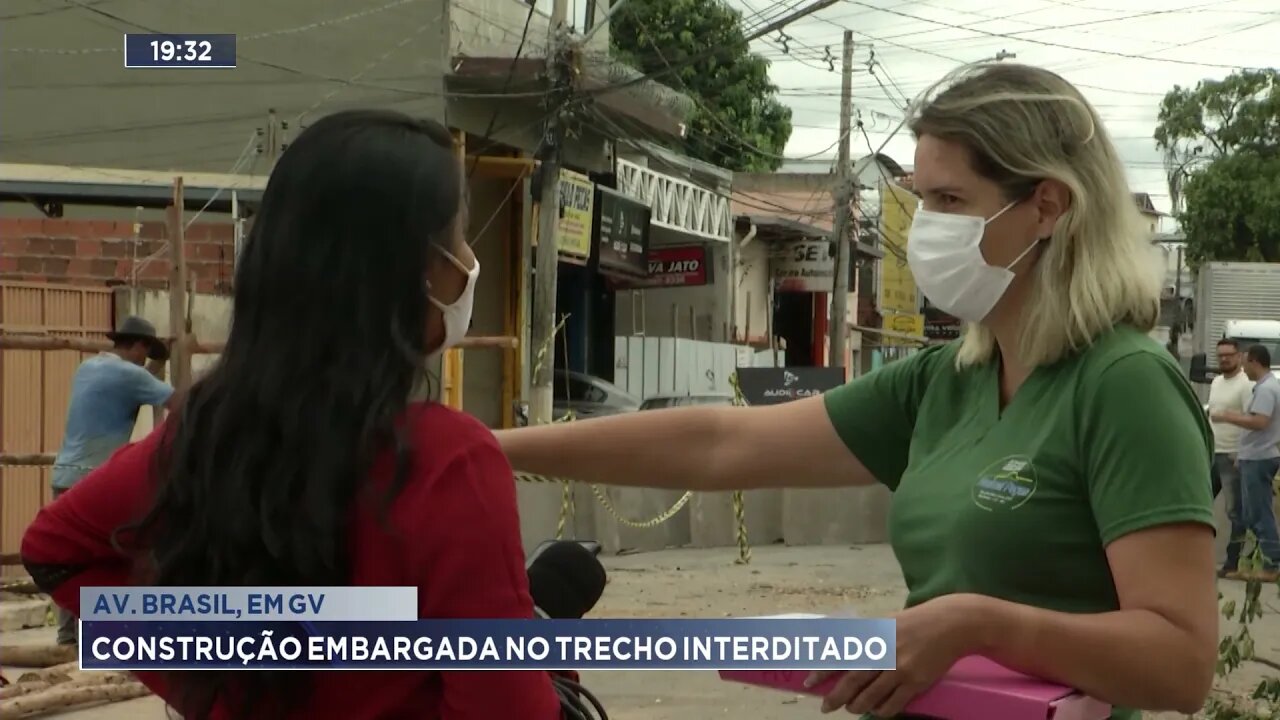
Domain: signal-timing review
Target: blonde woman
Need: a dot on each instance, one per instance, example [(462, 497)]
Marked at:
[(1050, 470)]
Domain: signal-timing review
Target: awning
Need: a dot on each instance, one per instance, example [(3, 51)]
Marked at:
[(771, 228), (653, 105), (113, 187)]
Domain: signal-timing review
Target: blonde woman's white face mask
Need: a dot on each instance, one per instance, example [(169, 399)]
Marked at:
[(944, 252)]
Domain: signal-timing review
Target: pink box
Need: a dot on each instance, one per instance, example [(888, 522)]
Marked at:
[(974, 689)]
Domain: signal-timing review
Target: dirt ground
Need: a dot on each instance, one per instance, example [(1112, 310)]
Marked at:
[(707, 583)]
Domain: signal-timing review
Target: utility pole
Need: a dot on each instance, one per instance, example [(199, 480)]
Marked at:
[(543, 321), (837, 328), (272, 139)]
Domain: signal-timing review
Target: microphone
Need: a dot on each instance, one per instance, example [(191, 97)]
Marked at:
[(566, 579)]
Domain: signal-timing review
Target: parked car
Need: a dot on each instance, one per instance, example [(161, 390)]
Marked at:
[(589, 396), (670, 401)]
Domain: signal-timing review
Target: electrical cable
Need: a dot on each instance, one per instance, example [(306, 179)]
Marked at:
[(506, 83), (243, 154), (1047, 43), (915, 33), (876, 63), (697, 100), (893, 247), (138, 265), (47, 11), (653, 76), (516, 183), (369, 66), (737, 196), (239, 38), (577, 689), (295, 71)]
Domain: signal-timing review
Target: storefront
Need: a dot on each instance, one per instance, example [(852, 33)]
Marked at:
[(688, 291), (604, 244), (801, 273), (575, 279)]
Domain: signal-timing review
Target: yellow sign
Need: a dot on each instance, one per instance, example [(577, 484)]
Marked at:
[(898, 294), (905, 324), (577, 211)]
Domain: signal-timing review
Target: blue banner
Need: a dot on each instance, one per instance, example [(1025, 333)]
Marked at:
[(683, 644), (250, 604), (180, 51)]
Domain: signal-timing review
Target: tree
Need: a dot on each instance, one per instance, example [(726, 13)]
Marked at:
[(739, 124), (1233, 209), (1221, 141)]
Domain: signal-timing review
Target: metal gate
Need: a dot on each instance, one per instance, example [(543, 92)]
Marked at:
[(35, 387), (651, 366)]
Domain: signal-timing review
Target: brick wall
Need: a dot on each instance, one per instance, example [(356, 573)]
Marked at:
[(104, 252)]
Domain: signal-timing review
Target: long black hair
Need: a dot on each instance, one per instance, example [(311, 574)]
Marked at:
[(261, 469)]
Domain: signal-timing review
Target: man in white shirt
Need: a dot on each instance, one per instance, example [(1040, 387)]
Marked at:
[(1229, 392)]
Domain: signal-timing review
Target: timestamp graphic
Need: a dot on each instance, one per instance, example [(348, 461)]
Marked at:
[(180, 51)]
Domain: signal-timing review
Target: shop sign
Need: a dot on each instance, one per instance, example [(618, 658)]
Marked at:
[(770, 386), (622, 232), (677, 266), (803, 266)]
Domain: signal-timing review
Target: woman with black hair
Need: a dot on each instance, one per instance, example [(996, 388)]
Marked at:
[(299, 458)]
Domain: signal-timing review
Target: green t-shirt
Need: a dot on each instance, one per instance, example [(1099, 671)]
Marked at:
[(1020, 504)]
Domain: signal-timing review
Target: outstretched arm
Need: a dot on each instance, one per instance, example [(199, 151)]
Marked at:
[(857, 434), (701, 448)]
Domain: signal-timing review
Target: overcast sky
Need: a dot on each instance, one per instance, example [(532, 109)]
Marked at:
[(917, 41)]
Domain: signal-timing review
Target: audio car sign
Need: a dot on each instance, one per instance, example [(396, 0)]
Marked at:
[(770, 386)]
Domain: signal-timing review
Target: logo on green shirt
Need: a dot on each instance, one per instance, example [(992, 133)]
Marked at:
[(1006, 484)]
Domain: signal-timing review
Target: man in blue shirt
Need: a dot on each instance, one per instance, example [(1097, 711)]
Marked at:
[(106, 394), (1259, 457)]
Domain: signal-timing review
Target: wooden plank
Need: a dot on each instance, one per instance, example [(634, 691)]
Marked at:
[(9, 341)]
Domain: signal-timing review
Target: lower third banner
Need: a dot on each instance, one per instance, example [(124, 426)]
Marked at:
[(722, 644)]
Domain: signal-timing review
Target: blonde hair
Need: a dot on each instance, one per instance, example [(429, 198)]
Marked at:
[(1022, 125)]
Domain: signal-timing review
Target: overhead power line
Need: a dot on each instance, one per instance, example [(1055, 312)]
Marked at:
[(1048, 43)]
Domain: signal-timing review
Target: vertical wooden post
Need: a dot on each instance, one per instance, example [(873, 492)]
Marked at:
[(180, 355), (451, 372), (513, 291), (451, 362)]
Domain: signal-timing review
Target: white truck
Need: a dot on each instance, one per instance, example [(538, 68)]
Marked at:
[(1237, 300)]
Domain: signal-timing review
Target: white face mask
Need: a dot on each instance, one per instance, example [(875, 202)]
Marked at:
[(457, 316), (945, 256)]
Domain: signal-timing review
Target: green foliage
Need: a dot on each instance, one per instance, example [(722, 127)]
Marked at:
[(1222, 138), (1240, 112), (1263, 703), (1232, 209), (740, 124)]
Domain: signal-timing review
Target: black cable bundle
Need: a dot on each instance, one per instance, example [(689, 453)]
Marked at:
[(572, 695)]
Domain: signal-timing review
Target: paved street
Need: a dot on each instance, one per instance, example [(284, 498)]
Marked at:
[(707, 583)]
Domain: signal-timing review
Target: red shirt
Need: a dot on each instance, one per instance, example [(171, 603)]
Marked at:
[(457, 540)]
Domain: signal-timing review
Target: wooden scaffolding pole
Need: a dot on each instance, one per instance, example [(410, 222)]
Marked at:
[(46, 343), (179, 323), (451, 361)]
